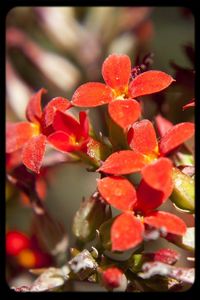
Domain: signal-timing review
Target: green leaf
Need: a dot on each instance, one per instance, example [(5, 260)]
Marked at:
[(117, 136), (104, 234)]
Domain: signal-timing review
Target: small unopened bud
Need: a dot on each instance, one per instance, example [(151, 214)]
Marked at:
[(114, 279), (167, 256), (183, 192), (92, 213)]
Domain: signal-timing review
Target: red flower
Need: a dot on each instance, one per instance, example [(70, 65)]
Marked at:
[(27, 254), (70, 135), (118, 92), (147, 155), (31, 136), (128, 228)]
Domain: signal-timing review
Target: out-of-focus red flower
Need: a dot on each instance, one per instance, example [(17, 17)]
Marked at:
[(147, 156), (26, 253), (190, 104), (16, 241), (118, 92), (70, 135), (112, 277), (127, 230), (31, 136)]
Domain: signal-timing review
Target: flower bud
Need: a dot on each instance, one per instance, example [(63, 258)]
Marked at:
[(114, 279), (92, 213), (183, 193)]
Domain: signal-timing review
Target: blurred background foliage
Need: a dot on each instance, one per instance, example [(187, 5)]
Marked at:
[(59, 48)]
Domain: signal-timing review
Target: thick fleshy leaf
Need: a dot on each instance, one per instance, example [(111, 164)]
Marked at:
[(58, 103), (116, 71), (33, 153), (126, 232), (92, 94), (163, 125), (17, 134), (124, 112), (159, 174), (171, 223), (118, 192), (34, 109), (176, 136), (62, 141), (66, 123), (149, 82), (149, 198), (123, 162), (142, 137), (151, 269)]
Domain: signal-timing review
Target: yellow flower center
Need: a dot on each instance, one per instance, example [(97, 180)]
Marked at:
[(36, 129), (121, 94), (151, 157)]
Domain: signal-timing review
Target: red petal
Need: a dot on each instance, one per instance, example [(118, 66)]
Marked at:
[(149, 198), (118, 192), (171, 223), (62, 141), (142, 137), (149, 82), (58, 103), (33, 153), (163, 125), (190, 104), (123, 162), (92, 94), (34, 110), (126, 232), (116, 71), (124, 112), (17, 134), (66, 123), (159, 174), (16, 241), (176, 136)]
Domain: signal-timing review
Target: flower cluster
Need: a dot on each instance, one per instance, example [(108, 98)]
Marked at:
[(147, 151)]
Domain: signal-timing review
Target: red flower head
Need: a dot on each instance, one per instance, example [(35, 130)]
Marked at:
[(118, 92), (70, 135), (127, 230), (31, 136), (147, 156)]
